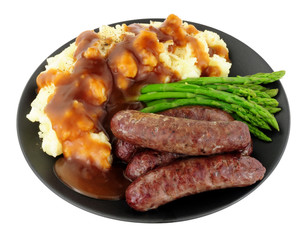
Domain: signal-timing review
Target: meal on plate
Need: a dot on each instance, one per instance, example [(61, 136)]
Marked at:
[(148, 112)]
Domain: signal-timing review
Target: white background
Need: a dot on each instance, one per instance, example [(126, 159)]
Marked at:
[(31, 30)]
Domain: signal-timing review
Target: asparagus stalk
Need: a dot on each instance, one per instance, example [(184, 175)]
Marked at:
[(154, 102), (238, 90), (257, 88), (259, 78), (161, 106), (265, 101), (254, 130), (161, 95), (272, 92), (273, 110), (247, 116)]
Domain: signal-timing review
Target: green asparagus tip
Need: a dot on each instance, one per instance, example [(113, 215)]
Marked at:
[(278, 74)]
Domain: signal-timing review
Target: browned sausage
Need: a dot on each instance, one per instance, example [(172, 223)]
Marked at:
[(179, 135), (191, 176), (125, 151), (147, 160), (247, 151), (204, 113), (198, 113)]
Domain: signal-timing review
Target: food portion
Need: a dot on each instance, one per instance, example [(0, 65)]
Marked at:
[(161, 172), (148, 159), (125, 150), (142, 160), (123, 107), (243, 97), (83, 86), (74, 107), (203, 113), (191, 176), (179, 135)]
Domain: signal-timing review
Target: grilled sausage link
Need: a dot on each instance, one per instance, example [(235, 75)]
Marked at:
[(147, 160), (191, 176), (179, 135), (125, 151)]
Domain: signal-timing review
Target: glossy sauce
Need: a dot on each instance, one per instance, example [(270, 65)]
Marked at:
[(99, 86), (90, 181), (219, 50)]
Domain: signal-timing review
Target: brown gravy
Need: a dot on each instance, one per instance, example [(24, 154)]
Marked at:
[(220, 51), (78, 106), (90, 181)]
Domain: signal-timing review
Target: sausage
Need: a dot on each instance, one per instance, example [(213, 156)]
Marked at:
[(247, 151), (204, 113), (198, 113), (179, 135), (125, 151), (147, 160), (192, 176)]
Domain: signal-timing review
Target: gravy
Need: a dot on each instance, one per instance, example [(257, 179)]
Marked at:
[(88, 180)]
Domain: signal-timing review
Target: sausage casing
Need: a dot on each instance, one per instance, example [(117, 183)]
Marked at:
[(125, 151), (191, 176), (147, 160), (179, 135), (203, 113)]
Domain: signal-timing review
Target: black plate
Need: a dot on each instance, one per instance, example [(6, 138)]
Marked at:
[(244, 61)]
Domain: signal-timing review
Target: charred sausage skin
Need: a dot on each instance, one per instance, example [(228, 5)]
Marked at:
[(179, 135), (191, 176)]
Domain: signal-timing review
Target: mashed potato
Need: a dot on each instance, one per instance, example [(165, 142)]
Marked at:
[(50, 142), (182, 60)]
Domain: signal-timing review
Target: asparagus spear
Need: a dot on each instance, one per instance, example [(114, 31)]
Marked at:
[(259, 78), (154, 102), (238, 90), (265, 101), (247, 116), (167, 95), (257, 88), (250, 86), (254, 130), (160, 95), (273, 110), (185, 102), (272, 92)]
